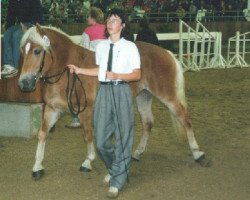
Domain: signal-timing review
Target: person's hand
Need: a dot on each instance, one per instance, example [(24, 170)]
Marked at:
[(111, 75), (73, 69)]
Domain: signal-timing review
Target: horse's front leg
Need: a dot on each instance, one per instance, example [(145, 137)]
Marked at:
[(86, 123), (50, 117)]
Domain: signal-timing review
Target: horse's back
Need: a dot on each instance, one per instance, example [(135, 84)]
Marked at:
[(155, 53), (159, 68)]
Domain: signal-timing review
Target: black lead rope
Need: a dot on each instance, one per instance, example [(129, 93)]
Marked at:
[(109, 68), (69, 90), (73, 90), (46, 79), (120, 134)]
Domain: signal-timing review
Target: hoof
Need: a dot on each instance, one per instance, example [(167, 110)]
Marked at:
[(135, 159), (84, 169), (37, 175), (203, 161), (73, 125), (53, 128)]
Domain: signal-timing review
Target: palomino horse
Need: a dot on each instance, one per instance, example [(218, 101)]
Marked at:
[(47, 51)]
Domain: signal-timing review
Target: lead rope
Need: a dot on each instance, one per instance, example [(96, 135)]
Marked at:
[(73, 90), (69, 90), (109, 68), (120, 134)]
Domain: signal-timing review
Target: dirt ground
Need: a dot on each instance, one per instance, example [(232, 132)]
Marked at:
[(219, 103)]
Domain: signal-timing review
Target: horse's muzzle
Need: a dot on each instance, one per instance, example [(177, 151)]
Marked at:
[(27, 82)]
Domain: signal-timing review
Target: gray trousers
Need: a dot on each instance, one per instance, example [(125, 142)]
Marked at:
[(114, 130)]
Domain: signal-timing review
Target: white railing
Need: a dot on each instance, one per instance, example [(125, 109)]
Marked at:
[(201, 49), (236, 54)]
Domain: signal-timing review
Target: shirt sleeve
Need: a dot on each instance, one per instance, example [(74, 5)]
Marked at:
[(85, 41), (134, 61), (98, 56)]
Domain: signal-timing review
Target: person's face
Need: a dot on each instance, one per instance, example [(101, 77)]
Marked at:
[(114, 25), (90, 20)]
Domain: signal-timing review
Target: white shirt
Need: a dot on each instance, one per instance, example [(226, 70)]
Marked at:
[(126, 57)]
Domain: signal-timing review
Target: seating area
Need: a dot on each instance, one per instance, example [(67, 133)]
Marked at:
[(69, 11)]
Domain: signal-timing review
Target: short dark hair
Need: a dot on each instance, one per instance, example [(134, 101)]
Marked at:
[(117, 12)]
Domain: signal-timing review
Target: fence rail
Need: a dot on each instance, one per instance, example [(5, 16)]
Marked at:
[(236, 55)]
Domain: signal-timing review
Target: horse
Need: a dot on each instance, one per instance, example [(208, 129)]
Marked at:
[(46, 52)]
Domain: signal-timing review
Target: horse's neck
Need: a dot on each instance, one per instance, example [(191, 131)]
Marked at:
[(83, 57), (65, 52), (60, 50)]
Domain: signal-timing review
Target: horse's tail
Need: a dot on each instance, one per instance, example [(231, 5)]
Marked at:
[(180, 93)]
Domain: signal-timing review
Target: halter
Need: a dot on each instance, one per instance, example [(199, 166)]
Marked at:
[(38, 75), (69, 91)]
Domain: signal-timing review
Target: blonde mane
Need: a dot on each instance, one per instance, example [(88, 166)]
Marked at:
[(32, 35)]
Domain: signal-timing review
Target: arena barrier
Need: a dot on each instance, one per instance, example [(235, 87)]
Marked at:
[(198, 49), (237, 50), (201, 49)]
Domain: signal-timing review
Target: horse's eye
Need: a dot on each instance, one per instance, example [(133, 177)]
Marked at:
[(37, 51)]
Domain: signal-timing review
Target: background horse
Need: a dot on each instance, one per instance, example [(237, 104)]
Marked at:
[(47, 51)]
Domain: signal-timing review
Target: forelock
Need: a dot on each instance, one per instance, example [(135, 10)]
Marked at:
[(32, 35)]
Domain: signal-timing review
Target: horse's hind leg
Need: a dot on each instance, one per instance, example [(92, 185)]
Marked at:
[(144, 101), (49, 119), (180, 112)]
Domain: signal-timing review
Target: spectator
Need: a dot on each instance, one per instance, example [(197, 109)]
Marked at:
[(201, 14), (192, 10), (96, 30), (27, 12), (180, 12), (54, 11), (222, 7), (146, 34)]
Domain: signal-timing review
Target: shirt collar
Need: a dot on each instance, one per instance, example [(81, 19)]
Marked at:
[(118, 43)]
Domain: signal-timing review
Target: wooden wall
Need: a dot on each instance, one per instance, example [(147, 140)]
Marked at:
[(10, 91)]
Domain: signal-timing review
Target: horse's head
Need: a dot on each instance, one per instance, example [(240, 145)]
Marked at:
[(34, 45)]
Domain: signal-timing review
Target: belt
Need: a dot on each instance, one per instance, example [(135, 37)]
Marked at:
[(113, 82)]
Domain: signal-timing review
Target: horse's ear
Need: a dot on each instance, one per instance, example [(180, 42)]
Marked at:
[(40, 29), (24, 27)]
